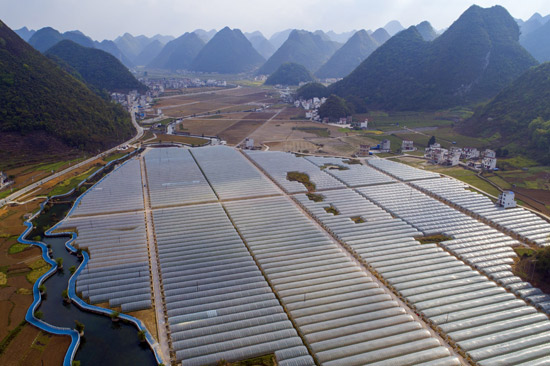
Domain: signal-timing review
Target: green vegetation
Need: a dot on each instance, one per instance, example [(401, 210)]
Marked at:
[(289, 74), (267, 360), (45, 109), (302, 47), (408, 73), (518, 116), (357, 219), (45, 38), (228, 52), (141, 336), (349, 56), (315, 197), (301, 178), (79, 327), (17, 248), (102, 71), (38, 314), (42, 289), (38, 268), (72, 269), (114, 156), (11, 336), (332, 210), (334, 108), (319, 131), (524, 252), (352, 161), (71, 183), (433, 239), (536, 42), (312, 90)]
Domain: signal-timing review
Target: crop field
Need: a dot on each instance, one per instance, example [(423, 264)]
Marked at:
[(211, 102), (240, 130)]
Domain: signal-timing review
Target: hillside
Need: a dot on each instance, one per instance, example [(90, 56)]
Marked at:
[(150, 51), (46, 111), (538, 43), (471, 62), (349, 56), (179, 53), (112, 48), (25, 33), (45, 38), (228, 52), (289, 74), (341, 37), (394, 27), (278, 38), (100, 70), (131, 46), (204, 35), (261, 44), (79, 38), (426, 31), (301, 47), (511, 113), (381, 36)]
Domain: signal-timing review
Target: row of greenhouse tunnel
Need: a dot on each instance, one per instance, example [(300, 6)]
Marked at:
[(252, 264)]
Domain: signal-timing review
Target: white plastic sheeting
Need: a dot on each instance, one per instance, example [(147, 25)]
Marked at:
[(353, 175), (120, 191), (345, 316), (277, 164), (519, 221), (175, 179), (118, 269), (401, 171), (469, 308), (231, 174), (219, 305)]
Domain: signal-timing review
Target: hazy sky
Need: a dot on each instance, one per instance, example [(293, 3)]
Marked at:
[(106, 19)]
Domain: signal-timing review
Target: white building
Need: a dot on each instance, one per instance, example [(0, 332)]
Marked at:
[(249, 143), (385, 146), (364, 125), (407, 145), (469, 153), (506, 199), (489, 154), (489, 163), (453, 158), (4, 181)]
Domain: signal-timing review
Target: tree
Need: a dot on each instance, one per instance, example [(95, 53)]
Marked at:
[(59, 262), (431, 141), (141, 336), (38, 314), (72, 269), (79, 327), (115, 316), (334, 108), (42, 289)]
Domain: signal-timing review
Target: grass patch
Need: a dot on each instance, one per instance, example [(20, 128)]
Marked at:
[(71, 183), (17, 248), (301, 178), (524, 252), (318, 131), (38, 268), (216, 116), (11, 336), (114, 156), (357, 219), (334, 167), (41, 341), (315, 197), (3, 279), (194, 141), (433, 239), (332, 210), (352, 161)]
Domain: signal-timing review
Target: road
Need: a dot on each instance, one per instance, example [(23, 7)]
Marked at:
[(33, 186)]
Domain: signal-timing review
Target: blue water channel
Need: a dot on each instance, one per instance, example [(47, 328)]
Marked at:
[(104, 342)]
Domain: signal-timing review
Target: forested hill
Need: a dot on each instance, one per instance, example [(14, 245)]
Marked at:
[(519, 115), (40, 100), (472, 61), (102, 71), (289, 74)]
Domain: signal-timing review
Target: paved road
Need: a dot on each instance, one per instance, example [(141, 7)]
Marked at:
[(33, 186)]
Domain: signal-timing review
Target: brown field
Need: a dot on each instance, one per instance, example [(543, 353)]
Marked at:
[(227, 101), (181, 139), (277, 130), (293, 145), (240, 130), (208, 127), (291, 112), (33, 347)]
